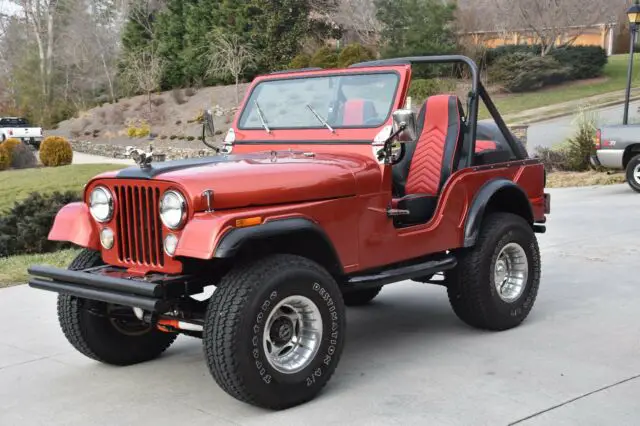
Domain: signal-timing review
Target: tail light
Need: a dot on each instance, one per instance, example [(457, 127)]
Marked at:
[(598, 142), (10, 132)]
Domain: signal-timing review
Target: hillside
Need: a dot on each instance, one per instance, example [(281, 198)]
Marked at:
[(174, 120)]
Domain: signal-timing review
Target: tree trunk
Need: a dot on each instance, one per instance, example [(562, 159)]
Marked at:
[(237, 90), (149, 100)]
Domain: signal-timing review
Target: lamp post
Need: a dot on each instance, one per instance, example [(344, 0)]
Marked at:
[(634, 19)]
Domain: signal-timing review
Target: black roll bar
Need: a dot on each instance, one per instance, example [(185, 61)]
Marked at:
[(477, 92)]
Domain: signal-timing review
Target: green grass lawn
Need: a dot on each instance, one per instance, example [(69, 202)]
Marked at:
[(13, 270), (17, 184), (615, 80)]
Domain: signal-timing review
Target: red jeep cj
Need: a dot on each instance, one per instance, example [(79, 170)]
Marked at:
[(328, 188)]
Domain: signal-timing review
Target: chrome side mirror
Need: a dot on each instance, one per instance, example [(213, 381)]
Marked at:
[(404, 122), (209, 127)]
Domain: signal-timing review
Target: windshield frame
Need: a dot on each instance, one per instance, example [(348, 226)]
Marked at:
[(305, 76)]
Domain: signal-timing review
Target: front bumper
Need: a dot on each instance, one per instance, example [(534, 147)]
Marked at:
[(155, 293)]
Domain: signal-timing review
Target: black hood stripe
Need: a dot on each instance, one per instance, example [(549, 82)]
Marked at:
[(156, 169)]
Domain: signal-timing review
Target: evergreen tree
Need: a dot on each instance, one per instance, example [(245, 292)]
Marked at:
[(171, 42), (417, 27)]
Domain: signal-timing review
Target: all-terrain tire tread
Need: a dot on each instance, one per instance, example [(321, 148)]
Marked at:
[(227, 302), (69, 312), (467, 297)]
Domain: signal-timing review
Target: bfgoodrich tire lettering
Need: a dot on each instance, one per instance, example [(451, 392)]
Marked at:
[(471, 285), (88, 328), (236, 320)]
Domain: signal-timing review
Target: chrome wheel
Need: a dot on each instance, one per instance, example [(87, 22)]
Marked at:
[(292, 334), (511, 272), (636, 174)]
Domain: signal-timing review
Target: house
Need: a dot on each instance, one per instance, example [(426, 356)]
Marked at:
[(602, 35)]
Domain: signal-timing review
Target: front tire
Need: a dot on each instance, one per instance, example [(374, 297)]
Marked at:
[(633, 173), (107, 333), (496, 282), (274, 331)]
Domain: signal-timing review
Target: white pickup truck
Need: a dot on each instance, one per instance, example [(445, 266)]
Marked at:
[(18, 128)]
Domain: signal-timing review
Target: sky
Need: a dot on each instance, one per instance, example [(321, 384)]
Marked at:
[(8, 7)]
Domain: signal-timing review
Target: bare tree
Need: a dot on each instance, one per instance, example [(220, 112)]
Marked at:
[(228, 55), (360, 17), (143, 69), (40, 16), (549, 20)]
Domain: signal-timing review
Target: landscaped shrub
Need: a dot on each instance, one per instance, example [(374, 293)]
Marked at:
[(354, 53), (23, 157), (25, 227), (522, 72), (421, 89), (56, 151), (554, 159), (584, 61), (138, 130), (11, 144), (582, 145), (5, 158), (300, 61), (325, 57)]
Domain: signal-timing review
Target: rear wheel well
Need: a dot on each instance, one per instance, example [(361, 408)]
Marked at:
[(630, 152), (510, 199), (305, 243)]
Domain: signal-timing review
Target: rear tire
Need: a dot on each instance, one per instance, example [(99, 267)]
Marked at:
[(247, 331), (498, 257), (91, 328), (633, 173), (360, 297)]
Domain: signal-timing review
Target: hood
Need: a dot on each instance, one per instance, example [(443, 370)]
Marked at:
[(258, 179)]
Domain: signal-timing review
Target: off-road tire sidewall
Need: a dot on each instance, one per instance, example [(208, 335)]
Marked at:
[(472, 289), (253, 379), (87, 329), (631, 180)]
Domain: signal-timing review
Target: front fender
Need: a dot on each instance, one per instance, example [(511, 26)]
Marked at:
[(74, 224)]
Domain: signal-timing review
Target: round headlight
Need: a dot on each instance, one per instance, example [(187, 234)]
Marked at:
[(101, 204), (173, 209)]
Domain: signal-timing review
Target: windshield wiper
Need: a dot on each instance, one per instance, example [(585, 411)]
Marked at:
[(262, 119), (320, 119)]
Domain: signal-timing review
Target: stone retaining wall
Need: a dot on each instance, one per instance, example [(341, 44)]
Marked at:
[(117, 151)]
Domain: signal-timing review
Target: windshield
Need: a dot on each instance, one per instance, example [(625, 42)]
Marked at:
[(13, 122), (332, 102)]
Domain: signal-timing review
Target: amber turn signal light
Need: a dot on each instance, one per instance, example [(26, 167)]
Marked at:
[(250, 221)]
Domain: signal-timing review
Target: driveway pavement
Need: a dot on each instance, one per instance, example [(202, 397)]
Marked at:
[(408, 360), (82, 158)]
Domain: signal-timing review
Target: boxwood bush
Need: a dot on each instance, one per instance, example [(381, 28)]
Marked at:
[(24, 228), (56, 151)]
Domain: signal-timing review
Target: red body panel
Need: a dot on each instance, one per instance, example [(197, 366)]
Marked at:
[(74, 224), (334, 181)]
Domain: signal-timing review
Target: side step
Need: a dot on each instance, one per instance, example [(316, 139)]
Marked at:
[(402, 273)]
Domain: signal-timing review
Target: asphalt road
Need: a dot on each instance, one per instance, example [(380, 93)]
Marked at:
[(552, 132), (408, 359)]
